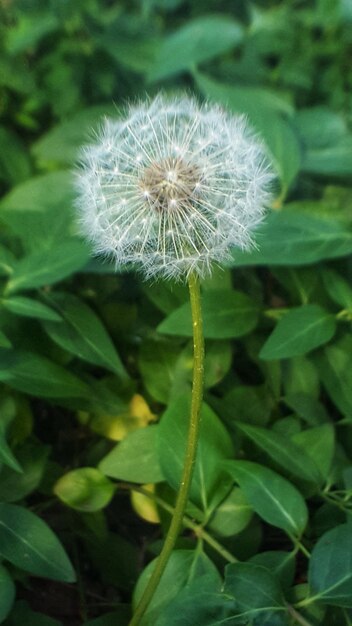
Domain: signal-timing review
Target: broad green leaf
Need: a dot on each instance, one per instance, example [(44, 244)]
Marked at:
[(252, 101), (300, 376), (134, 51), (7, 261), (320, 127), (251, 403), (4, 341), (284, 149), (41, 207), (36, 375), (135, 459), (84, 489), (318, 443), (15, 165), (232, 515), (338, 288), (226, 314), (28, 307), (281, 564), (293, 237), (307, 407), (82, 333), (7, 593), (14, 486), (46, 268), (263, 109), (167, 370), (255, 592), (301, 330), (166, 296), (330, 567), (214, 446), (157, 362), (29, 29), (272, 497), (6, 454), (27, 542), (334, 367), (63, 142), (183, 567), (199, 40), (286, 454), (250, 595), (328, 144)]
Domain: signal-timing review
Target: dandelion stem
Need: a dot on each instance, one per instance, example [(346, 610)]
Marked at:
[(190, 455)]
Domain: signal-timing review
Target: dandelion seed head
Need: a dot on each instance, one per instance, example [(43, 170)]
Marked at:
[(172, 187)]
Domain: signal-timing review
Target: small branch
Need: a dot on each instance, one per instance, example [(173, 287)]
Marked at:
[(299, 619)]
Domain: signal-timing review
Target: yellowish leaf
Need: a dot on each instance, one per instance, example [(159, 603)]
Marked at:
[(144, 506)]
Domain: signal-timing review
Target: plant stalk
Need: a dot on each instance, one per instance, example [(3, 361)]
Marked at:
[(190, 455)]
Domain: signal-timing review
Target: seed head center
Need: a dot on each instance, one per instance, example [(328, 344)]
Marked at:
[(170, 184)]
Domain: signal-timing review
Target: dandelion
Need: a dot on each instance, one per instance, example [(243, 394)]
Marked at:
[(172, 187)]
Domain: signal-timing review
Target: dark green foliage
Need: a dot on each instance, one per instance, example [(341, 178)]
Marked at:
[(89, 360)]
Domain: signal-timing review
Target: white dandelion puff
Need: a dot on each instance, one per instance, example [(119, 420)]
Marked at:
[(172, 187)]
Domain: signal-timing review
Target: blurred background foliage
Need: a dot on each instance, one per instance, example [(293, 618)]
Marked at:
[(90, 360)]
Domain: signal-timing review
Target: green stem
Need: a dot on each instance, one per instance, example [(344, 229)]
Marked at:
[(198, 529), (190, 456), (299, 619)]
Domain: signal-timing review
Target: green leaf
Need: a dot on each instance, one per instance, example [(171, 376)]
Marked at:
[(226, 314), (84, 489), (199, 40), (4, 341), (253, 101), (27, 307), (263, 109), (63, 142), (272, 497), (82, 333), (320, 127), (41, 206), (135, 459), (167, 370), (214, 446), (292, 237), (232, 515), (255, 592), (6, 455), (307, 407), (301, 330), (45, 268), (283, 452), (33, 459), (319, 444), (338, 288), (14, 162), (328, 144), (250, 595), (29, 30), (183, 567), (7, 261), (36, 375), (27, 542), (330, 567), (7, 593), (334, 367)]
